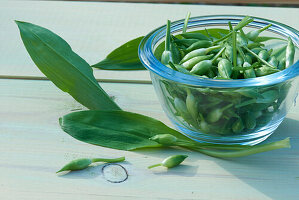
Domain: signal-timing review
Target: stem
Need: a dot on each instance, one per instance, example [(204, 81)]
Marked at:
[(223, 38), (210, 36), (108, 160), (197, 146), (226, 107), (217, 55), (186, 22), (264, 28), (234, 39), (156, 165), (212, 48), (172, 66), (246, 20), (246, 152), (240, 25), (230, 26), (167, 39), (262, 60)]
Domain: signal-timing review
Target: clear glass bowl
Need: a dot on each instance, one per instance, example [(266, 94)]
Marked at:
[(250, 109)]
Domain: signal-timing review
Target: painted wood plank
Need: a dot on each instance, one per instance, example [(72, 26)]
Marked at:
[(93, 29), (242, 2), (33, 147)]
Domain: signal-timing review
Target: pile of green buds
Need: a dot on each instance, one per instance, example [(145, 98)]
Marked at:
[(234, 55)]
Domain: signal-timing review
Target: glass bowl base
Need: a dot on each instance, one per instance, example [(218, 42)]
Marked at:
[(249, 139)]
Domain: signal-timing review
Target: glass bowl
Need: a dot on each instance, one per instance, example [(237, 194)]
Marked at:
[(237, 111)]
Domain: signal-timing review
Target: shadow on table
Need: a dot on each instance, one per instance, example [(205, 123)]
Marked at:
[(181, 170), (275, 173)]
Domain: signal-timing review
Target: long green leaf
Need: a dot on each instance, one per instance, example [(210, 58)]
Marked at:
[(68, 71), (115, 129), (124, 57)]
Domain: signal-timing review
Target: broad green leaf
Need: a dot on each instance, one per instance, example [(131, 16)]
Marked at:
[(124, 57), (115, 129), (68, 71)]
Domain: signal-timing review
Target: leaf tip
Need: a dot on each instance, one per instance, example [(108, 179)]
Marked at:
[(60, 120), (19, 22)]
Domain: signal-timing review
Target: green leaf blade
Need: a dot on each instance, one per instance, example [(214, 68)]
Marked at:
[(68, 71), (115, 129), (124, 57)]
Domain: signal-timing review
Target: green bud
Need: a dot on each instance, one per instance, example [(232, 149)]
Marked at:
[(240, 60), (192, 105), (273, 61), (250, 121), (265, 70), (225, 68), (83, 163), (290, 53), (164, 139), (282, 64), (166, 57), (203, 125), (263, 54), (238, 126), (171, 161), (229, 53), (216, 114), (77, 164)]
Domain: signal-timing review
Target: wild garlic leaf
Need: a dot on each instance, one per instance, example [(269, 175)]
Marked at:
[(124, 57), (68, 71), (115, 129)]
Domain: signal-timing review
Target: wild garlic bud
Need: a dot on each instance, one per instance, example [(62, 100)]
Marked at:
[(77, 164), (171, 161), (164, 139), (83, 163)]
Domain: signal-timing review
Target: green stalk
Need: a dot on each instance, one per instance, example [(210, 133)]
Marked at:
[(264, 28), (246, 152), (246, 20), (230, 26), (156, 165), (172, 66), (108, 160), (196, 146), (167, 39), (186, 22), (234, 39), (217, 55), (222, 39), (262, 60), (210, 36)]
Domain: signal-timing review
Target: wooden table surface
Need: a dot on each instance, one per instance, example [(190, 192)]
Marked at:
[(33, 147)]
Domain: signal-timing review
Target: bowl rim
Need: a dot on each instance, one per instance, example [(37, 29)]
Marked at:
[(147, 58)]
